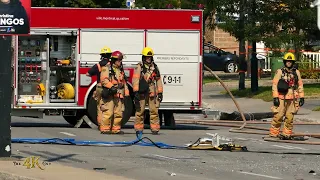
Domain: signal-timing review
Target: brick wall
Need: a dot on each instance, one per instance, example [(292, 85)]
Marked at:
[(222, 39)]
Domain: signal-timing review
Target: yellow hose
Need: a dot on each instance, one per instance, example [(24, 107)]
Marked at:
[(65, 91)]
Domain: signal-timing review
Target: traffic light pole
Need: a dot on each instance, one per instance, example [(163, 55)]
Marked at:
[(254, 60), (5, 95), (254, 68), (242, 49)]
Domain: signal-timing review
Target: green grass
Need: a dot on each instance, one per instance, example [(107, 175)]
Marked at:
[(212, 79), (265, 93), (316, 108), (209, 79)]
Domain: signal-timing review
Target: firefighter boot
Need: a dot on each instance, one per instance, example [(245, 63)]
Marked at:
[(155, 132), (285, 137)]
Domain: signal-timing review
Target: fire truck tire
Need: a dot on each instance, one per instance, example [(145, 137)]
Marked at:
[(128, 110), (92, 109), (72, 120), (146, 118)]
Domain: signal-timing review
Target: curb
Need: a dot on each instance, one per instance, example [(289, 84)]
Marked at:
[(10, 176)]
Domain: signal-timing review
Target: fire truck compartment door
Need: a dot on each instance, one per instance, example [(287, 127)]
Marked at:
[(183, 43), (177, 54), (180, 82), (130, 42)]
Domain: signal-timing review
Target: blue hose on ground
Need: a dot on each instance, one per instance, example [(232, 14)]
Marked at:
[(67, 141)]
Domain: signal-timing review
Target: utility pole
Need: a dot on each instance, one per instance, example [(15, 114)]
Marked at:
[(254, 60), (5, 95), (242, 48)]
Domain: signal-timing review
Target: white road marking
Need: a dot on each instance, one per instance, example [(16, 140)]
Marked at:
[(282, 147), (68, 134), (261, 175), (294, 147), (242, 139), (165, 157), (290, 147)]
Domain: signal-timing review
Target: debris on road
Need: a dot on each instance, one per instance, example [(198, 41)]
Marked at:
[(171, 173)]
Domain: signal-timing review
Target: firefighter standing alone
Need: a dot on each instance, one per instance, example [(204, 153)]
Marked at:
[(148, 89), (105, 54), (287, 88), (115, 88)]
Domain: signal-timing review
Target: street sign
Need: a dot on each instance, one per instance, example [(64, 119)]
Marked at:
[(129, 3)]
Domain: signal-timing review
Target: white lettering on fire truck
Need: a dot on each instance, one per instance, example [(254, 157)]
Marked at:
[(174, 58), (112, 18)]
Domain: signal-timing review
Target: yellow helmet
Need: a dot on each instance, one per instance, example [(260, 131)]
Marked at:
[(289, 57), (105, 50), (147, 51)]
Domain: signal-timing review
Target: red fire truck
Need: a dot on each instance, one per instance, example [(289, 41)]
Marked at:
[(50, 65)]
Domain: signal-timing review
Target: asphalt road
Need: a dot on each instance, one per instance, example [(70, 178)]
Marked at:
[(140, 162)]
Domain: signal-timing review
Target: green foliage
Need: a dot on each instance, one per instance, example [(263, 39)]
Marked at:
[(307, 67), (280, 24)]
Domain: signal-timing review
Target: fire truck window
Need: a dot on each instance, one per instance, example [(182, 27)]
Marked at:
[(62, 82), (31, 69)]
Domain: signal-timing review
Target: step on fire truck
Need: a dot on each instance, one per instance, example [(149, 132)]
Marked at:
[(50, 65)]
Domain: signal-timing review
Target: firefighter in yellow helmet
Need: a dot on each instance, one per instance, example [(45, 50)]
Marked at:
[(115, 88), (105, 54), (287, 88), (148, 89)]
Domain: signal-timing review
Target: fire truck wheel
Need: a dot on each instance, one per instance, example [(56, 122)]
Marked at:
[(147, 117), (128, 110), (92, 110), (74, 119)]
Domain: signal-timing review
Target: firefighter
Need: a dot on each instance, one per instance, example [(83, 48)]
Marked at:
[(148, 89), (115, 88), (287, 88), (105, 54)]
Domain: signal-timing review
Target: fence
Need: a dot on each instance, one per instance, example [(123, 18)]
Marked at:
[(312, 57)]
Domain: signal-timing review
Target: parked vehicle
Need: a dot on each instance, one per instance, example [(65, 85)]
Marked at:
[(219, 60), (50, 65)]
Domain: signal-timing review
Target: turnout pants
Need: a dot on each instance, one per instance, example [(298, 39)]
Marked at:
[(286, 108), (97, 97), (111, 114), (153, 104)]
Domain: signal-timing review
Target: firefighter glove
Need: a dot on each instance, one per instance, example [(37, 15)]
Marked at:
[(301, 102), (276, 102), (160, 97), (113, 90)]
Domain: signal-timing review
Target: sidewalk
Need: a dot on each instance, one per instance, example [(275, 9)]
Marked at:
[(53, 171), (213, 100)]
